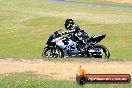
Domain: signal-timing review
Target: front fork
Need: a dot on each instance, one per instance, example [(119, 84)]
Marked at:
[(54, 51)]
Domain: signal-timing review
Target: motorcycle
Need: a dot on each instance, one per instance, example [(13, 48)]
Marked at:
[(59, 46)]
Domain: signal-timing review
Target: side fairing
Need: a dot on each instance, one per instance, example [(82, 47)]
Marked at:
[(69, 47)]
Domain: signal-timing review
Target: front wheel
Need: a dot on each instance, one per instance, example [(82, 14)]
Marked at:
[(104, 51), (50, 52)]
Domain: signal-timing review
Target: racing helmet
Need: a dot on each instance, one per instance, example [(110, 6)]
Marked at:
[(68, 23)]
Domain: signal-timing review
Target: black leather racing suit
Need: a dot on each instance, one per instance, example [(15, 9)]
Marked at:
[(78, 35)]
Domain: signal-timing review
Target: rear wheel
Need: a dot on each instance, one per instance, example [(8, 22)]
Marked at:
[(49, 52), (104, 51)]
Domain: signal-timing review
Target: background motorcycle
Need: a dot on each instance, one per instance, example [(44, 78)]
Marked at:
[(59, 46)]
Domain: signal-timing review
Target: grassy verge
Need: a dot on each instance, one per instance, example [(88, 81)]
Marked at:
[(34, 81), (26, 25)]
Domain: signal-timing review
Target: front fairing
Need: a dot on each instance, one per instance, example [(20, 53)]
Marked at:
[(53, 36)]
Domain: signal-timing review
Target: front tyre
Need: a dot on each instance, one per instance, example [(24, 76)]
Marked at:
[(50, 52), (104, 51)]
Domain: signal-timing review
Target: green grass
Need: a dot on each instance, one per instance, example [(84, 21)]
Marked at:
[(35, 81), (25, 26)]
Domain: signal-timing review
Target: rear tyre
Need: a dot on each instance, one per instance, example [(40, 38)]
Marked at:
[(105, 52)]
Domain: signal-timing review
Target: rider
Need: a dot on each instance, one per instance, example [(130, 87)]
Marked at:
[(77, 32)]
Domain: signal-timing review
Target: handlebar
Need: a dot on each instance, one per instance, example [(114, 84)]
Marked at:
[(59, 30), (62, 33), (56, 32)]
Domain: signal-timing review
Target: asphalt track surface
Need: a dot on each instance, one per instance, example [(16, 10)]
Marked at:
[(94, 4)]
